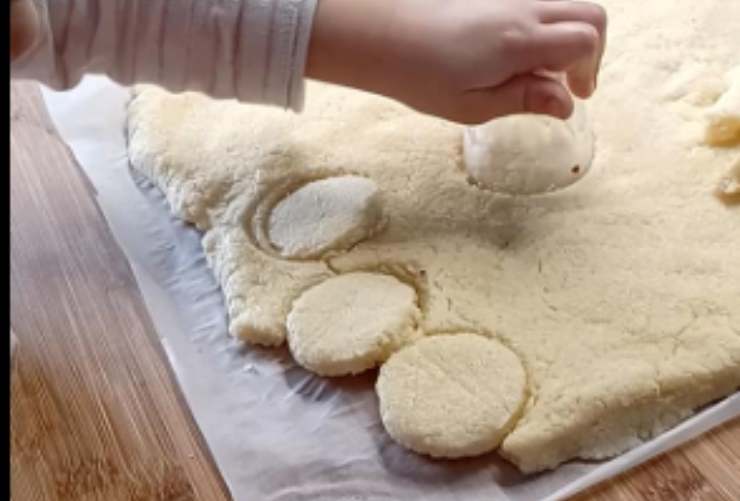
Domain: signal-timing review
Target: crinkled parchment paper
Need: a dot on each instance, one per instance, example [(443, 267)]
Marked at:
[(277, 432)]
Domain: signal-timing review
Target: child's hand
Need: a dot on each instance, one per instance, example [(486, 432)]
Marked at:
[(465, 60), (24, 27)]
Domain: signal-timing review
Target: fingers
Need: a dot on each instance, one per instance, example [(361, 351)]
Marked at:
[(522, 94), (558, 47), (24, 27), (573, 48), (570, 39), (557, 12)]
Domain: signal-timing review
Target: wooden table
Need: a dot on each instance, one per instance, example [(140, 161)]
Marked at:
[(95, 411)]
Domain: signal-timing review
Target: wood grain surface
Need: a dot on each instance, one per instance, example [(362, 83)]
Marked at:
[(95, 414), (95, 411)]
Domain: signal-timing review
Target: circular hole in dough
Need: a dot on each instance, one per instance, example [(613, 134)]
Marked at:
[(529, 154), (451, 396), (330, 214), (352, 322)]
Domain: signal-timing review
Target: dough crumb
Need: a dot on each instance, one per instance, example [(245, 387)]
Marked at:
[(723, 129), (723, 132), (728, 190)]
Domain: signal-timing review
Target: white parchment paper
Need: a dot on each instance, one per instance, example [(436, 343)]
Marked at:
[(276, 432)]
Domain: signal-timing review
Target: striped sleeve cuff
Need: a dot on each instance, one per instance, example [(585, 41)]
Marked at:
[(272, 54)]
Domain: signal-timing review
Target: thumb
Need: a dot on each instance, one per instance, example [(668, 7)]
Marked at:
[(521, 94)]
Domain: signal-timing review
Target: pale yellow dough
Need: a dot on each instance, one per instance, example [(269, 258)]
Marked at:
[(620, 294), (451, 396), (351, 323)]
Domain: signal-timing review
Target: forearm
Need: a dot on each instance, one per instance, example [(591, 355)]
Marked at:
[(351, 41), (252, 50)]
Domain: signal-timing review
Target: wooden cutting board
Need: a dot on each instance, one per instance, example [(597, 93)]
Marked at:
[(95, 411)]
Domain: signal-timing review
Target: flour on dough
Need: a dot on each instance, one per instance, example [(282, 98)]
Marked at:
[(326, 215), (351, 323), (451, 396), (618, 294), (529, 154)]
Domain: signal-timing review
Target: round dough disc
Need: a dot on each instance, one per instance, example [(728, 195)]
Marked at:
[(451, 396), (329, 214), (352, 322), (529, 154)]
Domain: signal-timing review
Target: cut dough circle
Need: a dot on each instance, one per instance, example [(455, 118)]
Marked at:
[(329, 214), (352, 322), (451, 396), (529, 154)]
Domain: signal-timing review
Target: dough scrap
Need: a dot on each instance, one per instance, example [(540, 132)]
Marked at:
[(529, 154), (451, 396), (723, 128), (619, 294), (728, 190), (351, 323), (330, 214)]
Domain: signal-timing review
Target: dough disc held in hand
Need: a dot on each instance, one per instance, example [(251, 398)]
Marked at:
[(352, 322), (329, 214), (529, 154), (451, 395)]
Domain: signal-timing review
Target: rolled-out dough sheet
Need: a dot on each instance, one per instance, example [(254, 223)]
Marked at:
[(620, 295), (320, 434)]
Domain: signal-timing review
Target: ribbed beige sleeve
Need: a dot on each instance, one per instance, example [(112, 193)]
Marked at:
[(251, 50)]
